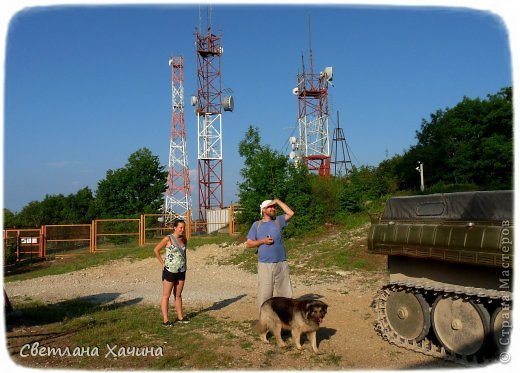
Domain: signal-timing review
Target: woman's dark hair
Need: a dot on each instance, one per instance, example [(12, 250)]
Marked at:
[(177, 221)]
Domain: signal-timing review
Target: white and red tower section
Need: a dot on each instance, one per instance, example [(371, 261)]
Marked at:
[(178, 194), (208, 108), (313, 118)]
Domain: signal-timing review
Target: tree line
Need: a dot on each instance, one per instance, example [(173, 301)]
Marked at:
[(466, 147)]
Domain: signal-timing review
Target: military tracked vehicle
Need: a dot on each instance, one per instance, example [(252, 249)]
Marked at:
[(450, 261)]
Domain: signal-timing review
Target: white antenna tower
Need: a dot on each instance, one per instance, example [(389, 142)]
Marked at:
[(177, 199)]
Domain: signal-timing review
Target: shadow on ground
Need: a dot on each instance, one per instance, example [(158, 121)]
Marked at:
[(42, 314)]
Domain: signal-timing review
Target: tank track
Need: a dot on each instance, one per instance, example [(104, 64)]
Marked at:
[(426, 346)]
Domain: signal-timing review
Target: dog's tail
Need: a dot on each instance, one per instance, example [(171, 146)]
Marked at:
[(259, 326)]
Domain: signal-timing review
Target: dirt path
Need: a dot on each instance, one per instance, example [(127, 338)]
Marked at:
[(348, 328)]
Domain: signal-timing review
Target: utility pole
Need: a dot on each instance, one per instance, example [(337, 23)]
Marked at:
[(420, 169)]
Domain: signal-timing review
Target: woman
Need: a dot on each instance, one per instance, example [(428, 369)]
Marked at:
[(174, 270)]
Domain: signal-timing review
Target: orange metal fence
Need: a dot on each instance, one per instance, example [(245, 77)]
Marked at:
[(66, 240), (156, 226), (115, 231), (234, 210), (22, 244), (77, 239)]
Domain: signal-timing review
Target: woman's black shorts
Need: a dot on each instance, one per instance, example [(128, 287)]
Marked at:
[(173, 277)]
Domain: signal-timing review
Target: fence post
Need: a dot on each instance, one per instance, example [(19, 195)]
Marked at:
[(94, 236), (43, 241), (91, 237), (188, 224), (17, 245), (141, 229), (230, 219)]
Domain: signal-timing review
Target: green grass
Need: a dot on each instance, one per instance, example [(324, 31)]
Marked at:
[(205, 343), (219, 239), (79, 323)]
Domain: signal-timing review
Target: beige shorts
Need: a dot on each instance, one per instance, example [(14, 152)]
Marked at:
[(273, 280)]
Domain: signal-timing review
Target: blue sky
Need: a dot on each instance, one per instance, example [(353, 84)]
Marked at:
[(87, 86)]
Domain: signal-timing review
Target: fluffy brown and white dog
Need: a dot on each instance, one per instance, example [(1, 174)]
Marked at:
[(298, 316)]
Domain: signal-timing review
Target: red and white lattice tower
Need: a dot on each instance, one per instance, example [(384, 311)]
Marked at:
[(177, 199), (209, 103), (313, 144)]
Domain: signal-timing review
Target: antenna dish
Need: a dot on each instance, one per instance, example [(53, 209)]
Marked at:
[(194, 100), (328, 73), (228, 103), (295, 91), (292, 155)]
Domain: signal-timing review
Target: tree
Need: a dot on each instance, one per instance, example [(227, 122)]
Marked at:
[(299, 196), (367, 184), (136, 188), (471, 143), (52, 208), (264, 175), (79, 208), (267, 174), (31, 216), (9, 219)]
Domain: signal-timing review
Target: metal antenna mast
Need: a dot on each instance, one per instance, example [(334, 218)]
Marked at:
[(313, 144), (209, 103), (177, 199), (340, 164)]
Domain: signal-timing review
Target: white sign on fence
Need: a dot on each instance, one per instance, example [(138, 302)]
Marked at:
[(29, 240)]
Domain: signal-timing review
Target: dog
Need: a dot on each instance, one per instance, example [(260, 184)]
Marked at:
[(298, 316)]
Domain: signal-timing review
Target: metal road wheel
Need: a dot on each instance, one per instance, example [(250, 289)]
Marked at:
[(408, 314), (501, 325), (461, 326)]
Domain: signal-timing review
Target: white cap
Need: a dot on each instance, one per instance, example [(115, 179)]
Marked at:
[(265, 204)]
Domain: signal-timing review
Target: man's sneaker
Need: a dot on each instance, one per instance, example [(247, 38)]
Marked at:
[(167, 324), (184, 320)]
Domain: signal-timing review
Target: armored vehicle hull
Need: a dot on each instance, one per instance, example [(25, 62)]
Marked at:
[(450, 260)]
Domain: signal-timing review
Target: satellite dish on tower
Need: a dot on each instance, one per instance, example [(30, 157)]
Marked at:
[(292, 155), (228, 103), (328, 73), (295, 91), (194, 100)]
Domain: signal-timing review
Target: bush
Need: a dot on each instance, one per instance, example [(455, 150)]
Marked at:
[(10, 251), (450, 188)]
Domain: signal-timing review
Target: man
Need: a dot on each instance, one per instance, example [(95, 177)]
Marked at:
[(266, 236)]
